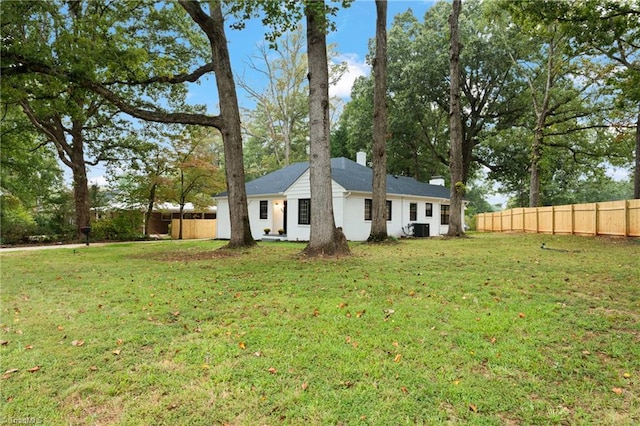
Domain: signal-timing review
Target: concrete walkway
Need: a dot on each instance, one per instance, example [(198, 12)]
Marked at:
[(49, 247)]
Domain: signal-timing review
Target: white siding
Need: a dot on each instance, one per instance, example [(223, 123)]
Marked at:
[(223, 230), (348, 208), (301, 189)]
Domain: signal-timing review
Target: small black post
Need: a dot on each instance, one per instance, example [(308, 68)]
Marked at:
[(86, 230)]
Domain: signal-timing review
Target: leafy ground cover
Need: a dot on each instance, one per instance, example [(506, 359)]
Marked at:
[(486, 330)]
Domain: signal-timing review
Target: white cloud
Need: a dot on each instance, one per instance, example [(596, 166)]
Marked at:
[(618, 174), (100, 181), (355, 68)]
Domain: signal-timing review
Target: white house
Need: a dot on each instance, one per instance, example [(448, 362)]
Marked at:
[(281, 201)]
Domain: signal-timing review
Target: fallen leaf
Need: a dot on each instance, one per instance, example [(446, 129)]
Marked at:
[(617, 391), (626, 375), (60, 328), (397, 358), (28, 347), (521, 315), (361, 313), (412, 293), (34, 369), (119, 342), (493, 340), (586, 353), (116, 352), (77, 343), (342, 305), (272, 370), (473, 408), (93, 368), (395, 344), (304, 386), (172, 406), (13, 370), (241, 345), (176, 313), (404, 389), (258, 354), (348, 315), (4, 342)]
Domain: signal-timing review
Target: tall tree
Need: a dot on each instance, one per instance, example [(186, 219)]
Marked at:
[(455, 127), (83, 128), (609, 29), (192, 176), (140, 66), (279, 122), (324, 238), (379, 196)]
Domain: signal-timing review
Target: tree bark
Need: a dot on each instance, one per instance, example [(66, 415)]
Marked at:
[(71, 155), (636, 173), (379, 205), (324, 238), (213, 27), (80, 187), (149, 213), (455, 127), (534, 167)]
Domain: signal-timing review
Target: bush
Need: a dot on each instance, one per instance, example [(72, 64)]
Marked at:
[(121, 226), (16, 222)]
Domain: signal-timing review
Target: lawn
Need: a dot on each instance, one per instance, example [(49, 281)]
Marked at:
[(490, 329)]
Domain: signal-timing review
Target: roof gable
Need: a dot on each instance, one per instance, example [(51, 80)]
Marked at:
[(347, 173)]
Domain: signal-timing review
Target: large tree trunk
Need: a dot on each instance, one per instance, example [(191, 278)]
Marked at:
[(80, 192), (149, 213), (379, 205), (455, 127), (231, 135), (534, 168), (636, 173), (324, 238), (213, 26)]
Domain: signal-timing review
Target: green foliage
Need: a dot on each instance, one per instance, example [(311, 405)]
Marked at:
[(125, 225), (183, 333), (16, 222)]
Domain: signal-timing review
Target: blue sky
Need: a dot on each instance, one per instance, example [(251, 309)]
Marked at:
[(355, 26)]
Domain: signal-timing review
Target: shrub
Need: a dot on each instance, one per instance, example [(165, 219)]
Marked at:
[(121, 226), (16, 222)]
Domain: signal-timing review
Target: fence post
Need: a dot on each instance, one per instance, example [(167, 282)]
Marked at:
[(573, 227), (626, 218), (553, 220), (537, 221), (595, 219)]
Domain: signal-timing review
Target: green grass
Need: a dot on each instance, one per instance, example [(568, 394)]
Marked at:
[(486, 330)]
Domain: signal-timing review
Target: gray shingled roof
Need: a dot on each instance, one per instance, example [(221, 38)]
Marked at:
[(349, 174)]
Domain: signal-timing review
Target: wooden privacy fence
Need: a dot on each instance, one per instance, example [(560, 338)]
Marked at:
[(193, 228), (616, 218)]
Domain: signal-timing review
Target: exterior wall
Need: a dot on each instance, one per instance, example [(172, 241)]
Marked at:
[(223, 228), (358, 229), (275, 215), (302, 189), (348, 208)]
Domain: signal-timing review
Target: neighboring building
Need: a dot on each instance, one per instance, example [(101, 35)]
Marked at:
[(164, 213), (162, 216), (282, 200)]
